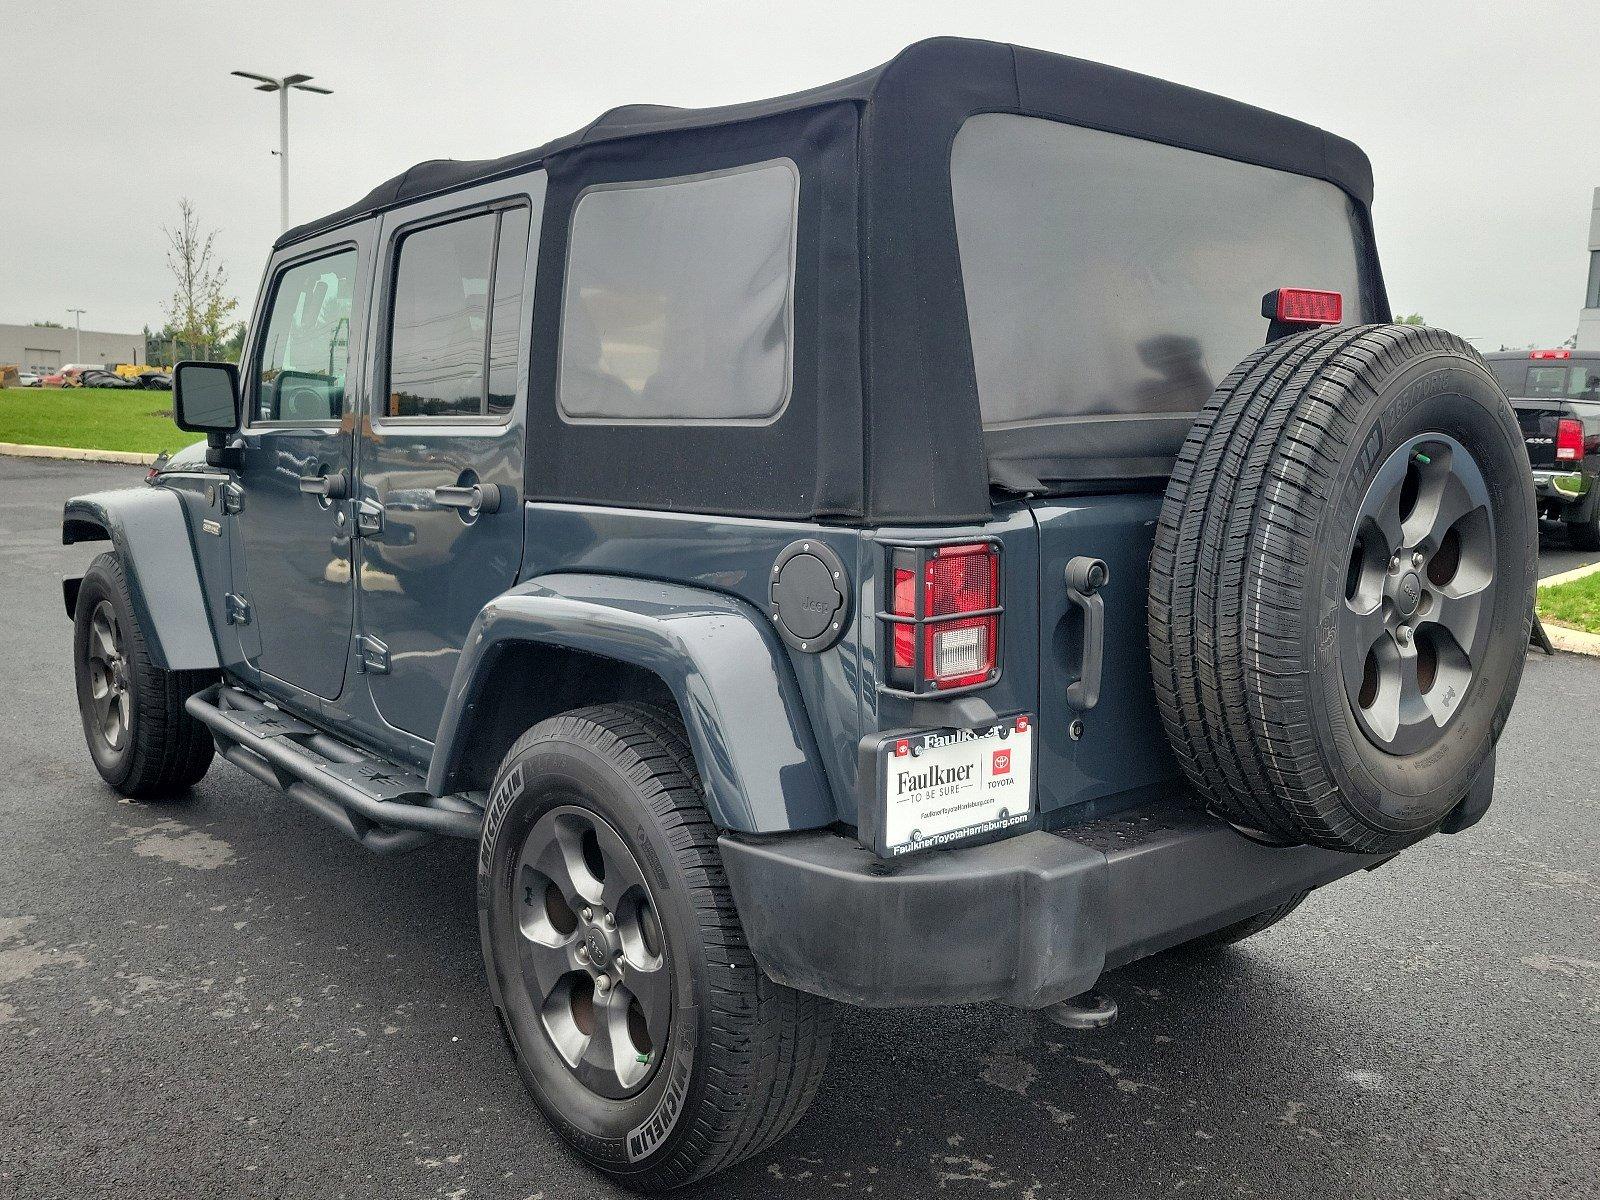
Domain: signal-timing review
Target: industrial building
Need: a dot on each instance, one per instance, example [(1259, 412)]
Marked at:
[(1589, 318), (41, 349)]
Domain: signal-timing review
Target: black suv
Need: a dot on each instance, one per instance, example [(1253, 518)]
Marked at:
[(930, 539)]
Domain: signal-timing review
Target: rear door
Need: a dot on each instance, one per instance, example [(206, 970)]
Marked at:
[(291, 576), (440, 460)]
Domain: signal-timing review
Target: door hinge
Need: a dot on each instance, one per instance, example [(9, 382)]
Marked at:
[(232, 498), (372, 656), (238, 609), (366, 518)]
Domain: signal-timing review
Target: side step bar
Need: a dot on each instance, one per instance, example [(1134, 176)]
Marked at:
[(384, 807)]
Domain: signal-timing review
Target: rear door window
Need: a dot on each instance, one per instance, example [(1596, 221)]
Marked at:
[(1107, 276), (679, 297)]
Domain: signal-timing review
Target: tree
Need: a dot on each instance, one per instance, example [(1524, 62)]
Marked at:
[(200, 313), (48, 325), (1410, 319)]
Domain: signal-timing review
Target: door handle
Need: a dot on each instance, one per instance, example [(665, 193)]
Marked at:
[(1085, 578), (472, 499), (332, 486)]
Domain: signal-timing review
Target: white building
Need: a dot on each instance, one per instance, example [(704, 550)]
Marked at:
[(1589, 318), (40, 349)]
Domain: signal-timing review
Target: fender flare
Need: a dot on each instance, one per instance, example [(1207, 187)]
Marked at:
[(147, 528), (741, 705)]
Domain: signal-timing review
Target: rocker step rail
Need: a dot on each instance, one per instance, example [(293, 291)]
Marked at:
[(385, 808)]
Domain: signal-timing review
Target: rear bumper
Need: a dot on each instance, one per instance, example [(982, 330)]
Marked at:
[(1566, 486), (1027, 921)]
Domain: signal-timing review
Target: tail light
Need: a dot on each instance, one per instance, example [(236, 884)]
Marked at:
[(1550, 354), (944, 616), (1569, 440), (1303, 306)]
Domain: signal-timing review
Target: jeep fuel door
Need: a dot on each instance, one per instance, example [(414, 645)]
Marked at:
[(292, 575), (441, 459)]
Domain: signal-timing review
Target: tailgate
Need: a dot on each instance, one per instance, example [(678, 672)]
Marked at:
[(1538, 419)]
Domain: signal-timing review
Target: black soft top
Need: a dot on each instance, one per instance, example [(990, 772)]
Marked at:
[(996, 77), (883, 424)]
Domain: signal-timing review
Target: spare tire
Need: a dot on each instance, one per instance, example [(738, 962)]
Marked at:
[(1341, 586)]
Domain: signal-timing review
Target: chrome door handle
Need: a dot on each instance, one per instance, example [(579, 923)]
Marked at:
[(473, 499), (332, 486)]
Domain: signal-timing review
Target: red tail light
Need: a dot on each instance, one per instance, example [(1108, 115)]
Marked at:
[(951, 638), (1303, 306), (1569, 440), (1550, 354)]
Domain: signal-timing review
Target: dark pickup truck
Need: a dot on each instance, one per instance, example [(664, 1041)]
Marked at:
[(1556, 394)]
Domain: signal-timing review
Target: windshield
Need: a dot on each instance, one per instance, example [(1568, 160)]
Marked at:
[(1112, 282)]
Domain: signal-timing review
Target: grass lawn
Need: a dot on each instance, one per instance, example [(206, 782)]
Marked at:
[(91, 419), (1575, 604)]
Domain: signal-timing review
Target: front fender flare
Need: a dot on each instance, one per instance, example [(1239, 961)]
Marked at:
[(147, 528), (741, 707)]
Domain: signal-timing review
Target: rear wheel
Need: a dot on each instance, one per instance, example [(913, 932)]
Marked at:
[(640, 1023), (1585, 535), (143, 742)]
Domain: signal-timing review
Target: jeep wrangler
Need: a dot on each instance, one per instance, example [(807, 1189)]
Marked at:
[(931, 539)]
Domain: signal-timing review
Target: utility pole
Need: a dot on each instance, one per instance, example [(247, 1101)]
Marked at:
[(266, 83), (77, 323)]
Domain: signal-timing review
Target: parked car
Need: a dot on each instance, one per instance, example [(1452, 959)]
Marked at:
[(901, 544), (1556, 394), (28, 379), (54, 379), (155, 381), (95, 378)]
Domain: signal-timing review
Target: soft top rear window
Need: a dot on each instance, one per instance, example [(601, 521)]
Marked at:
[(1111, 282)]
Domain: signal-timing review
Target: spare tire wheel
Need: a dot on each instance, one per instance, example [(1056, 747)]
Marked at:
[(1341, 586)]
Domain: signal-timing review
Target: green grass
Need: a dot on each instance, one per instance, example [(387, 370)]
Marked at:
[(1575, 604), (91, 419)]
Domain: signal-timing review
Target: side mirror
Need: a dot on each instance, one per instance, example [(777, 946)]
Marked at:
[(205, 397)]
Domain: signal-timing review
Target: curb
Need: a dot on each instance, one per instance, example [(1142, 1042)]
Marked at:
[(1569, 576), (19, 450), (1574, 641)]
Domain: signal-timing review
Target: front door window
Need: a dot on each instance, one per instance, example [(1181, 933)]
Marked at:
[(305, 353)]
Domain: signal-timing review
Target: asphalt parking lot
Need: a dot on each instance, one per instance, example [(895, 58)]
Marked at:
[(221, 997)]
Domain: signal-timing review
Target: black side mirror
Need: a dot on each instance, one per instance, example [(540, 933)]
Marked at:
[(205, 399)]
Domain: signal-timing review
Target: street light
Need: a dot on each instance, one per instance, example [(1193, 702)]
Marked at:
[(266, 83), (77, 322)]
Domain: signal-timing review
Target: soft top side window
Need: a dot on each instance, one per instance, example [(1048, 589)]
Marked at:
[(679, 299), (305, 352)]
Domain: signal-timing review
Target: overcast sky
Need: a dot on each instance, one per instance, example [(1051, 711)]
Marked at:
[(1482, 119)]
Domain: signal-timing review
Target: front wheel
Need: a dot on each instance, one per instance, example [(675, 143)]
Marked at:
[(143, 742), (639, 1021)]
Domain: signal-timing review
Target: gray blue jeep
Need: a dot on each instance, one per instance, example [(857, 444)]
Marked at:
[(931, 539)]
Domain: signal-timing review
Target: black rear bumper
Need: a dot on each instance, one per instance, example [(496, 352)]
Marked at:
[(1027, 921)]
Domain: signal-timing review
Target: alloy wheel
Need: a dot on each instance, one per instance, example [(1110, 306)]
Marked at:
[(592, 951), (1419, 593), (108, 677)]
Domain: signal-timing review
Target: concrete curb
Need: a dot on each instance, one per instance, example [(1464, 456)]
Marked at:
[(18, 450), (1576, 641), (1569, 576)]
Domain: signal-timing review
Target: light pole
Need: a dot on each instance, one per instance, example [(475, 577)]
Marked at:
[(266, 83), (77, 324)]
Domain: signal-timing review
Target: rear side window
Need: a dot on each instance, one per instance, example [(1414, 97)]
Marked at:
[(455, 314), (679, 297), (1107, 276)]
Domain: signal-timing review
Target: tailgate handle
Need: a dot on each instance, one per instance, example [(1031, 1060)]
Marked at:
[(1085, 577)]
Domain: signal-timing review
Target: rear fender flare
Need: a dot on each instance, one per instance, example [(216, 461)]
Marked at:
[(147, 528), (733, 684)]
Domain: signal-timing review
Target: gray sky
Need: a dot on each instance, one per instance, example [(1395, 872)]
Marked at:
[(1482, 120)]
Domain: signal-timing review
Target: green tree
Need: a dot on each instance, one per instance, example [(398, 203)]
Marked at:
[(200, 313), (47, 325), (1410, 319)]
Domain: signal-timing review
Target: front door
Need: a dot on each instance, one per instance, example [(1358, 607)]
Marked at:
[(292, 575), (441, 459)]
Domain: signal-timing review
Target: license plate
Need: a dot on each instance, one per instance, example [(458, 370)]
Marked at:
[(942, 787)]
